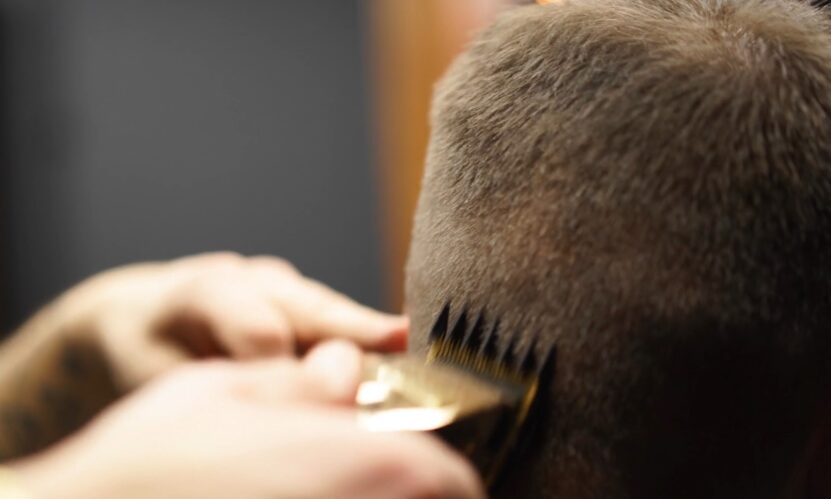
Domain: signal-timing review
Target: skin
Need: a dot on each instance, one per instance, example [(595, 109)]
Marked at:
[(121, 329), (259, 430), (135, 325)]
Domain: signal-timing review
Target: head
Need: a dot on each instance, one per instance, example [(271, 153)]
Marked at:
[(645, 184)]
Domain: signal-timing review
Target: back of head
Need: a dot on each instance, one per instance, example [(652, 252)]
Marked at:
[(647, 185)]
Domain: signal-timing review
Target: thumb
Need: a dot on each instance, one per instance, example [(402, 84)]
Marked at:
[(335, 366)]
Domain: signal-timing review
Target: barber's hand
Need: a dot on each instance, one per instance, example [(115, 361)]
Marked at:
[(150, 317), (259, 430)]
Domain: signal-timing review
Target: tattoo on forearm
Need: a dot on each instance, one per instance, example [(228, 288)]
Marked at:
[(19, 429), (61, 389)]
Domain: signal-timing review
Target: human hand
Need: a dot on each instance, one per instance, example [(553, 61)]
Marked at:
[(260, 430), (148, 318)]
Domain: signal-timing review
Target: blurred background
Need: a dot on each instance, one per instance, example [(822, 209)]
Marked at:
[(140, 130)]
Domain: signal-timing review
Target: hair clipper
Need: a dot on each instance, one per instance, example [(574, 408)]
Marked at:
[(473, 394)]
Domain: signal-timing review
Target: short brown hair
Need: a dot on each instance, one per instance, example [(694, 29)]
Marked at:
[(647, 184)]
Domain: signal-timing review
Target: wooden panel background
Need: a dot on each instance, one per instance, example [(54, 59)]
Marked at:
[(412, 43)]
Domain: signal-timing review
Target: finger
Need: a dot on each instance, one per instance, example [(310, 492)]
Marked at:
[(429, 469), (192, 332), (336, 366), (274, 264), (316, 312), (156, 360), (239, 314), (156, 357), (203, 261), (455, 475), (277, 382)]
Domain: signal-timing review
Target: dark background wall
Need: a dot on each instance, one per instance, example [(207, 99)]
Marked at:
[(148, 129)]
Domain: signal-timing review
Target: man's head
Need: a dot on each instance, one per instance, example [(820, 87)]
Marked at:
[(647, 185)]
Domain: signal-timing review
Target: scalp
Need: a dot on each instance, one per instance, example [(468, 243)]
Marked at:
[(646, 183)]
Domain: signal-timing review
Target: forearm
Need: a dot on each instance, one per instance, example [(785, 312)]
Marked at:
[(53, 379)]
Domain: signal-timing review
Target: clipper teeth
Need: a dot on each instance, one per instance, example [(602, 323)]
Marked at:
[(477, 334), (478, 345), (509, 355), (533, 363), (489, 349), (439, 330), (529, 362), (516, 379), (457, 334), (549, 362)]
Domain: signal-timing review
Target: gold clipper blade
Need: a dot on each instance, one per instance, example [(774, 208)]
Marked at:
[(469, 391)]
